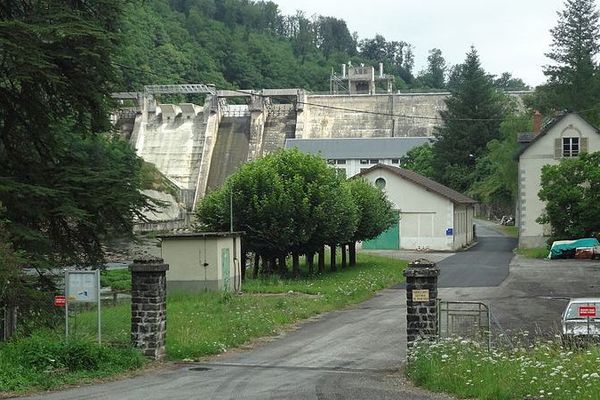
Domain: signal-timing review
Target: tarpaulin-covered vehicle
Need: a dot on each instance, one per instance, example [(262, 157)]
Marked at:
[(578, 248)]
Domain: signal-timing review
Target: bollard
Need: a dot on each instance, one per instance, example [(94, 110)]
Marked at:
[(421, 301), (149, 306)]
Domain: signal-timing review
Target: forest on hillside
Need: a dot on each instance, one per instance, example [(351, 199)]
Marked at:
[(247, 44)]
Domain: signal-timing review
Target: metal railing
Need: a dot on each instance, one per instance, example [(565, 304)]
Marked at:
[(467, 319)]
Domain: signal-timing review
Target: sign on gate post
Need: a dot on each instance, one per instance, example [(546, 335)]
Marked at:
[(82, 287)]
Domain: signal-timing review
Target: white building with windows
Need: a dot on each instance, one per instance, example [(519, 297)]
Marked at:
[(567, 135), (351, 156)]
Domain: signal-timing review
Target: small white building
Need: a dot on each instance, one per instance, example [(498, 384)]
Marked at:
[(350, 156), (201, 261), (567, 135), (431, 215)]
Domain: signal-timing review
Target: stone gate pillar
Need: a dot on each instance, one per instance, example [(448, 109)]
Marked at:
[(149, 306), (421, 300)]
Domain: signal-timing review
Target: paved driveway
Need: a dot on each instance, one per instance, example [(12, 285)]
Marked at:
[(349, 354)]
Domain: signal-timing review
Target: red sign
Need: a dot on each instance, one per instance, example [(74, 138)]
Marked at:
[(587, 311), (60, 301)]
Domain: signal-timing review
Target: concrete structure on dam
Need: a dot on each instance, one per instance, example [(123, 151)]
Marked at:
[(198, 146)]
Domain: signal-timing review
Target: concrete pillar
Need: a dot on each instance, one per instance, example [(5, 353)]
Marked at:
[(421, 301), (149, 306)]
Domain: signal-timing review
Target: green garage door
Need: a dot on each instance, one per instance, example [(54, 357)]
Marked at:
[(388, 240)]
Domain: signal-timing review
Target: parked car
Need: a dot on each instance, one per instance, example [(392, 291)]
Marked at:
[(581, 320)]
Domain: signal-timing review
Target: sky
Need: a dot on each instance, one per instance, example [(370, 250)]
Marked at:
[(509, 35)]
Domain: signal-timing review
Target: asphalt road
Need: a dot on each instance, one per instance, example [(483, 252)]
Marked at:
[(350, 354), (484, 265)]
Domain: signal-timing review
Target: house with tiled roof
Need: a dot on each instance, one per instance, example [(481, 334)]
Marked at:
[(431, 216), (567, 135)]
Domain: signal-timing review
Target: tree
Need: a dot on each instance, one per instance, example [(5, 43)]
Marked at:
[(434, 76), (573, 78), (375, 213), (571, 191), (64, 182), (472, 118), (496, 172), (507, 82), (420, 160), (287, 203)]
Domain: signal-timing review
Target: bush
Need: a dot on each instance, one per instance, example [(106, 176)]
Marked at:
[(44, 360)]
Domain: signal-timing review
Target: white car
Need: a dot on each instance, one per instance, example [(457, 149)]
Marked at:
[(581, 318)]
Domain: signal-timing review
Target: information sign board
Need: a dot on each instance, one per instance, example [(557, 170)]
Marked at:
[(420, 295), (82, 286)]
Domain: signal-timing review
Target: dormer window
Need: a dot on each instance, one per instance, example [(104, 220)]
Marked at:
[(570, 147)]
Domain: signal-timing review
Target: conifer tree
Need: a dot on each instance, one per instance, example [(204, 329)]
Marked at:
[(573, 76), (472, 118)]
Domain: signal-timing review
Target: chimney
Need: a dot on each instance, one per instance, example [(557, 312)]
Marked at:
[(537, 122)]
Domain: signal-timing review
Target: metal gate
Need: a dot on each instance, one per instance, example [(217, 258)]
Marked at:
[(467, 319)]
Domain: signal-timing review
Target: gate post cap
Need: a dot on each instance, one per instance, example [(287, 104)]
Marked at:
[(148, 264), (422, 268)]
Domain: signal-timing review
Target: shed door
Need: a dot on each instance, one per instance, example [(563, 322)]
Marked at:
[(387, 240), (225, 267)]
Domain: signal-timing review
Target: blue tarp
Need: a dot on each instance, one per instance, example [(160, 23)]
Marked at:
[(566, 248)]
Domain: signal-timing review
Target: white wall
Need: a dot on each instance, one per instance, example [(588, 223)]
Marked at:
[(424, 216), (540, 153)]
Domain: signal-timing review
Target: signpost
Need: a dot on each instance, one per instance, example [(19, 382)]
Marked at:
[(82, 287), (587, 311)]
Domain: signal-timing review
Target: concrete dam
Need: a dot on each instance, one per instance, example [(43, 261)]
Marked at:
[(198, 147)]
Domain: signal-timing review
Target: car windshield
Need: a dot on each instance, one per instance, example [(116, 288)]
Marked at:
[(574, 313)]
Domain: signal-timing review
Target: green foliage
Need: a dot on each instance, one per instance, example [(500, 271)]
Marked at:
[(506, 82), (374, 210), (434, 76), (571, 192), (534, 252), (117, 279), (474, 112), (573, 75), (496, 171), (286, 202), (44, 361), (63, 183), (420, 160)]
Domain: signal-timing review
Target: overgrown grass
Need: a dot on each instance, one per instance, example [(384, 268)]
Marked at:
[(211, 322), (540, 370), (535, 252), (45, 361)]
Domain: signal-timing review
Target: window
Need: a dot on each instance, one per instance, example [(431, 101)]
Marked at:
[(395, 160), (570, 147), (364, 161), (380, 183), (330, 161), (341, 161), (373, 161)]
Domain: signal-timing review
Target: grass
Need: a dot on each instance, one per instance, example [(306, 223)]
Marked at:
[(211, 322), (543, 370), (46, 361), (535, 252), (509, 230)]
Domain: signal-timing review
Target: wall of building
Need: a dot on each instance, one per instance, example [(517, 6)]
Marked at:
[(424, 216), (195, 263), (540, 153), (463, 225)]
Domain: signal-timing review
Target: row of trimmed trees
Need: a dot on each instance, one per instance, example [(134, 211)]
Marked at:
[(290, 203)]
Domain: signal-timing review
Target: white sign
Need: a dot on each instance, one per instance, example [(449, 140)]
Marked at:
[(82, 286)]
